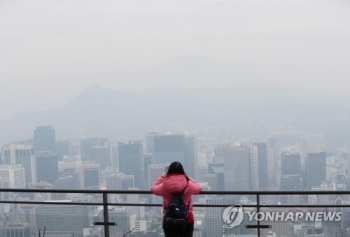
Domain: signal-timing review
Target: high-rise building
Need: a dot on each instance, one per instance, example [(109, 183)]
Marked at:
[(102, 156), (46, 167), (291, 182), (281, 228), (67, 182), (119, 215), (213, 217), (23, 155), (311, 143), (87, 144), (17, 229), (130, 155), (291, 173), (240, 168), (173, 147), (113, 181), (150, 142), (218, 170), (114, 156), (290, 163), (134, 198), (69, 165), (277, 142), (90, 176), (44, 185), (62, 219), (316, 168), (147, 160), (212, 181), (262, 163), (63, 148), (154, 172), (44, 139), (15, 175)]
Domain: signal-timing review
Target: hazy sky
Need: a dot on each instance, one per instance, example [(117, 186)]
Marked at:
[(41, 38)]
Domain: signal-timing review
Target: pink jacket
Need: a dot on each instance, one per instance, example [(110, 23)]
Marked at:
[(175, 183)]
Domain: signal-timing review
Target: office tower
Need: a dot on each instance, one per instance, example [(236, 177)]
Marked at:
[(69, 165), (213, 217), (114, 156), (154, 172), (276, 143), (147, 160), (119, 215), (23, 155), (150, 142), (212, 181), (201, 171), (101, 155), (62, 149), (106, 172), (90, 176), (315, 168), (87, 144), (281, 228), (290, 163), (182, 148), (62, 219), (44, 139), (17, 229), (322, 199), (15, 175), (130, 155), (134, 198), (291, 182), (46, 167), (218, 157), (113, 181), (262, 163), (239, 163), (254, 168), (4, 183), (291, 174), (43, 185), (311, 143), (218, 170), (67, 182), (127, 181)]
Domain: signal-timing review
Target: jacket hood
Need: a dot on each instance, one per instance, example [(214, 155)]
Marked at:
[(175, 183)]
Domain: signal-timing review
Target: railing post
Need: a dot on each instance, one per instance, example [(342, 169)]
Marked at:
[(105, 214), (258, 211)]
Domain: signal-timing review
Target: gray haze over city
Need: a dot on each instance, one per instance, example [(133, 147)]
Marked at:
[(248, 95)]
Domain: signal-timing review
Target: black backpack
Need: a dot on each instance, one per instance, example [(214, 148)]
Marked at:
[(176, 212)]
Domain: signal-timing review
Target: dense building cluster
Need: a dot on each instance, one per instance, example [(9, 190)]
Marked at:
[(286, 161)]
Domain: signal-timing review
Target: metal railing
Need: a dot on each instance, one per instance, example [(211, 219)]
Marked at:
[(105, 203)]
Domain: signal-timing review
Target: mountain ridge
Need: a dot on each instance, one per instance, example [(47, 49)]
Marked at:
[(101, 110)]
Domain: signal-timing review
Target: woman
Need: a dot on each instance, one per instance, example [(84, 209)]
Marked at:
[(175, 180)]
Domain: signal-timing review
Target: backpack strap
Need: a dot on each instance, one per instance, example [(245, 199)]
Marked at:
[(183, 190), (182, 193)]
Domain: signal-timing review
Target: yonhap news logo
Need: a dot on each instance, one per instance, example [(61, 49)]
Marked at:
[(233, 216)]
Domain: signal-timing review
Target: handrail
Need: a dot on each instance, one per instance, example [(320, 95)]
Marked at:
[(264, 192), (105, 203)]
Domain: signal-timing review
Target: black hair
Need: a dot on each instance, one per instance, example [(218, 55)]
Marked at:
[(176, 167)]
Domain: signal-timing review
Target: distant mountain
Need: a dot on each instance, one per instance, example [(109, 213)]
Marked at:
[(192, 71), (97, 110)]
